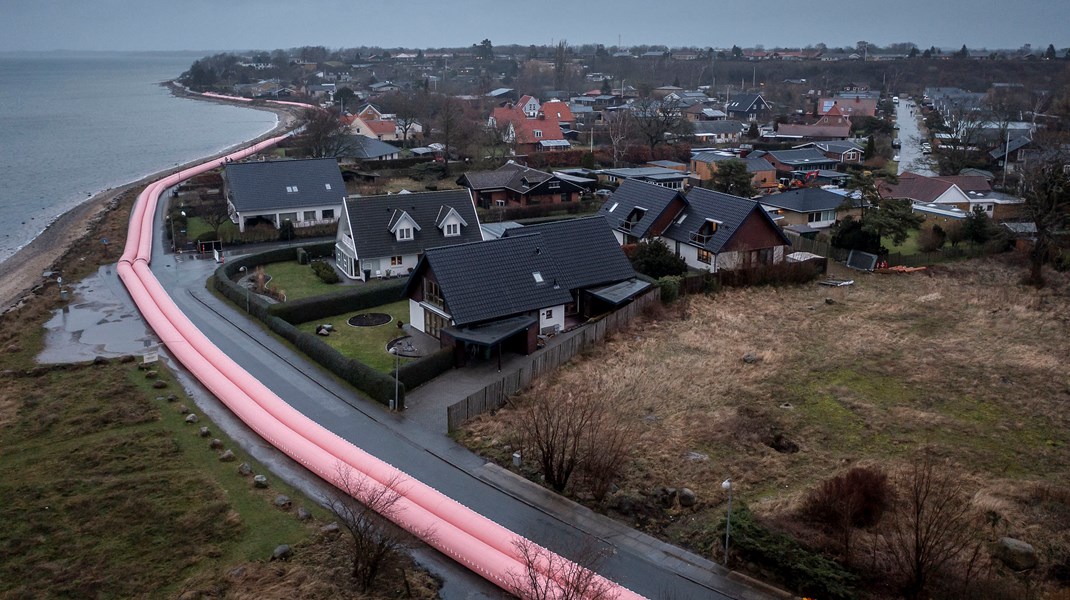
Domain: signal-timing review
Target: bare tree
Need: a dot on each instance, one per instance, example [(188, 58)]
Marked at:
[(214, 214), (582, 432), (324, 135), (618, 125), (406, 109), (930, 527), (1046, 191), (364, 508), (550, 576), (655, 120)]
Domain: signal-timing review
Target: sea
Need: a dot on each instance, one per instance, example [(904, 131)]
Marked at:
[(74, 124)]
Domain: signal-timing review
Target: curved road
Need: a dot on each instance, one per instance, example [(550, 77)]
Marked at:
[(637, 561)]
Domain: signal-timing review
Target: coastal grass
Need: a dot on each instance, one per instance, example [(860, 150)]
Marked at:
[(960, 358), (366, 344), (108, 492)]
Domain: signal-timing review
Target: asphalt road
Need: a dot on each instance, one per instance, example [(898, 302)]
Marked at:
[(433, 458), (910, 156)]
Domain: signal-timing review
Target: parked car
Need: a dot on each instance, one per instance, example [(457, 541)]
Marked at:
[(603, 193)]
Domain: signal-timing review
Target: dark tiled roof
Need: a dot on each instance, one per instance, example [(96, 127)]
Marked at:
[(754, 165), (744, 102), (584, 249), (717, 127), (511, 176), (730, 211), (363, 147), (371, 218), (263, 186), (805, 200), (489, 280), (803, 157), (634, 194)]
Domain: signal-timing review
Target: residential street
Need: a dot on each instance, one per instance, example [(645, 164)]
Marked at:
[(910, 155), (637, 561)]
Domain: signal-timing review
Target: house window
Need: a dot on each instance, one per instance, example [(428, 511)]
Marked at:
[(283, 217), (291, 189), (821, 216), (327, 185), (328, 213), (396, 261), (554, 185), (566, 197), (310, 215), (433, 323), (549, 313), (433, 293), (499, 202), (538, 133), (705, 256), (405, 233), (453, 229)]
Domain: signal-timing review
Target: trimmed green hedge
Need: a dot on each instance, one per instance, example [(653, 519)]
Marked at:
[(421, 371), (379, 386), (321, 307)]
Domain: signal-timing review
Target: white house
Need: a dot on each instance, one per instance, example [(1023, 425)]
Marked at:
[(303, 192)]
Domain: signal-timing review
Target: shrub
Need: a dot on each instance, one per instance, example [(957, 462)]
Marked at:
[(805, 572), (858, 497), (353, 299), (655, 259), (302, 256), (418, 372), (325, 272), (931, 240), (670, 288)]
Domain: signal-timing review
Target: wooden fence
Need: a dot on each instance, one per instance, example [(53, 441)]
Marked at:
[(544, 361)]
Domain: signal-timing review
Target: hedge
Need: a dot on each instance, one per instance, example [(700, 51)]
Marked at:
[(355, 298), (421, 371), (378, 385)]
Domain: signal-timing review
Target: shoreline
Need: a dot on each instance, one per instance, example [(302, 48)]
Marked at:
[(24, 270)]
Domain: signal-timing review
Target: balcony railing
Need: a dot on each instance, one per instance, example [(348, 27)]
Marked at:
[(626, 225), (701, 238)]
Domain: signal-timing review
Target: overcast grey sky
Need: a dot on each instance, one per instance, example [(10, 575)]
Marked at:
[(268, 24)]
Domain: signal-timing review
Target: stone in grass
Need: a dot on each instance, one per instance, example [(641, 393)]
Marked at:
[(260, 481), (303, 514), (203, 432), (330, 529), (151, 374), (245, 470), (191, 418), (159, 384), (750, 358), (100, 360), (182, 408), (216, 444), (688, 498), (227, 456), (282, 552), (1016, 554), (283, 501)]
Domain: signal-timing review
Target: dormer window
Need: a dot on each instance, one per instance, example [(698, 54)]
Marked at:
[(538, 133), (453, 229), (405, 233), (705, 232)]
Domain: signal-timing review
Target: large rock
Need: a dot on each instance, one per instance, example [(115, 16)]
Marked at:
[(303, 514), (1016, 554), (245, 470), (283, 501), (215, 444), (227, 456), (191, 418), (330, 529), (282, 552), (688, 498), (260, 481)]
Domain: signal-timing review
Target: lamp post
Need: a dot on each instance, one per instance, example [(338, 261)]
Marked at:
[(245, 270), (727, 485), (397, 366)]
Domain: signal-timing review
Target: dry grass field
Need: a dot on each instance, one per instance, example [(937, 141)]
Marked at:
[(960, 359)]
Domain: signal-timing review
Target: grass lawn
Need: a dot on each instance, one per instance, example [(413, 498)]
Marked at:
[(299, 281), (909, 246), (366, 344)]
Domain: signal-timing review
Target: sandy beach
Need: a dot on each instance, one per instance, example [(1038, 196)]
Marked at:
[(24, 271)]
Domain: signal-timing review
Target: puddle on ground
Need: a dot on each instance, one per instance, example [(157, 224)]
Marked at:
[(100, 320)]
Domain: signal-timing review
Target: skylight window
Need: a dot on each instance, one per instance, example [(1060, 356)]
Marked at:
[(615, 205), (538, 277), (291, 189), (327, 185)]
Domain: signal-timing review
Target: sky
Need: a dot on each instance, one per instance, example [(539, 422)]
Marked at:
[(203, 25)]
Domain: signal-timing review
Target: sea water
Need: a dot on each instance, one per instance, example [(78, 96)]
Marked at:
[(72, 125)]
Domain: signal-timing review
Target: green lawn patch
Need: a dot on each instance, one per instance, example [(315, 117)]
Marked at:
[(299, 281), (909, 246), (366, 344), (109, 493)]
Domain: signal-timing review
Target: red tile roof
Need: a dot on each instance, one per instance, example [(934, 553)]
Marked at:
[(382, 127), (560, 110), (525, 128)]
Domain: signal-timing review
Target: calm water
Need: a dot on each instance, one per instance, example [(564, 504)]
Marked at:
[(72, 125)]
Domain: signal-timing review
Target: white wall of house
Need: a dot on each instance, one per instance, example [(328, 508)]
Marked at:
[(690, 255), (552, 318), (301, 217)]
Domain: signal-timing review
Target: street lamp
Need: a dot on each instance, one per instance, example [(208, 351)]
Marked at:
[(727, 485), (397, 367), (245, 270)]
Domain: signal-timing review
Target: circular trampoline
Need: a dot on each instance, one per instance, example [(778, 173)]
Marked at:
[(369, 319)]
